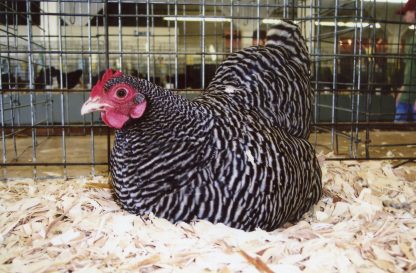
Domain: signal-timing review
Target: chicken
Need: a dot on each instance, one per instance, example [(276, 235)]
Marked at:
[(70, 79), (8, 82), (45, 77), (222, 157)]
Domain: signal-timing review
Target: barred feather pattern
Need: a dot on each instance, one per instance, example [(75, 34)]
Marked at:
[(210, 159), (274, 80), (219, 157)]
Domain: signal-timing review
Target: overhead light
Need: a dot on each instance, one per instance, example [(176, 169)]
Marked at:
[(412, 27), (327, 23), (347, 24), (196, 19), (275, 21), (387, 1)]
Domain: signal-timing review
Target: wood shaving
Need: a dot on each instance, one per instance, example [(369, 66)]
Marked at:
[(365, 222)]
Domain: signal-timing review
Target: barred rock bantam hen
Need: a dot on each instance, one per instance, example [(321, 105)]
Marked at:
[(237, 155)]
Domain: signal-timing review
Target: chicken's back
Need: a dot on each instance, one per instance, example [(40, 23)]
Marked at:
[(273, 80)]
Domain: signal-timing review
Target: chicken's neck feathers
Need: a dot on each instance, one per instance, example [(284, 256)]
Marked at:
[(169, 110), (166, 102)]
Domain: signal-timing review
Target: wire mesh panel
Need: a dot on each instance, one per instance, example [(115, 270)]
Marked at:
[(53, 52), (359, 48)]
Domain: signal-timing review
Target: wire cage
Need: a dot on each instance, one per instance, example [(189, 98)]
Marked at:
[(53, 52)]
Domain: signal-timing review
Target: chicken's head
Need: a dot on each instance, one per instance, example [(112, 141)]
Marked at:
[(117, 98)]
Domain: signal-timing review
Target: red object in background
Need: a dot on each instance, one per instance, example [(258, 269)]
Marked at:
[(236, 39), (410, 5)]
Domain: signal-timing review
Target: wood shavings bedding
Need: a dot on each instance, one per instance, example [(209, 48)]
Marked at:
[(365, 222)]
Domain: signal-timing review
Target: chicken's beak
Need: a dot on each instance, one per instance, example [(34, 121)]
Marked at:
[(92, 105)]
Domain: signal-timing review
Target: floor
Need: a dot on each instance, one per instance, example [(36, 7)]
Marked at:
[(79, 150), (365, 222)]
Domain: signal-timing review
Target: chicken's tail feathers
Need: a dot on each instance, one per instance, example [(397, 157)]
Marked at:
[(287, 34)]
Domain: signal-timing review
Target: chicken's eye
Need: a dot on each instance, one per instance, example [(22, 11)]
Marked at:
[(121, 93)]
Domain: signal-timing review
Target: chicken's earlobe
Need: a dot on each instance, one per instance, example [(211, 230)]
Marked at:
[(138, 110)]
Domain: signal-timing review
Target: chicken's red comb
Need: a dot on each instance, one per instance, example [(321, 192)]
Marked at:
[(99, 86)]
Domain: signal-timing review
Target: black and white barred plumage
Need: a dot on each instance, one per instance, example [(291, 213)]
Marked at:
[(273, 79), (236, 155)]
